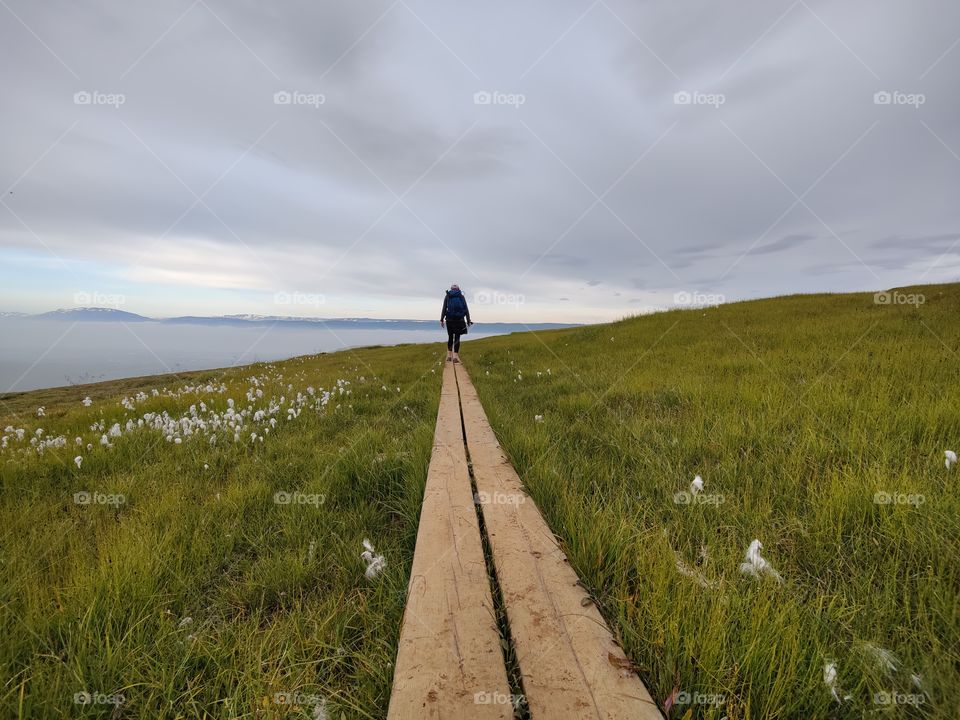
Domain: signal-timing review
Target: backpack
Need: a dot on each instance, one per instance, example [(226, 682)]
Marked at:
[(456, 306)]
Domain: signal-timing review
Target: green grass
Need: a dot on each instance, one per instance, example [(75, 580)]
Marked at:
[(797, 411), (94, 597)]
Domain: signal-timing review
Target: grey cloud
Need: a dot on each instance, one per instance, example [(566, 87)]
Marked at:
[(505, 197), (784, 243)]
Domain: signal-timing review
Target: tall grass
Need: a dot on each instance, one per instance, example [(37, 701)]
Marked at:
[(803, 415), (201, 595)]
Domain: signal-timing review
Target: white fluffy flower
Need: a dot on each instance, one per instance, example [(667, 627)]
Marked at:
[(885, 659), (696, 486), (375, 563), (79, 461), (756, 565), (692, 573), (538, 418), (830, 680), (87, 402), (41, 411), (951, 459)]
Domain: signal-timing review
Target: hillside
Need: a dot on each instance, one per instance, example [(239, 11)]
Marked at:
[(819, 426), (223, 575)]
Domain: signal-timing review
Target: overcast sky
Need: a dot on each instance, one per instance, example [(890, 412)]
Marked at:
[(560, 160)]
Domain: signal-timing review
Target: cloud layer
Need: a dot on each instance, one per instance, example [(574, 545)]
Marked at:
[(206, 155)]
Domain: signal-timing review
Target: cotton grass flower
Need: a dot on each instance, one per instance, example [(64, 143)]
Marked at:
[(884, 659), (696, 486), (692, 573), (375, 563), (951, 459), (538, 418), (78, 460), (830, 680), (41, 411), (756, 565), (87, 402)]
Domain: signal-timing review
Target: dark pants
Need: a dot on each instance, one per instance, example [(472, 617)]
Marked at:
[(455, 328)]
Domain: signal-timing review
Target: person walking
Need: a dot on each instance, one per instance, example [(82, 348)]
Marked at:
[(456, 315)]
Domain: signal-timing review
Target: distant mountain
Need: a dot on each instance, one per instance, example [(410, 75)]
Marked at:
[(12, 314), (349, 323), (113, 315), (91, 313)]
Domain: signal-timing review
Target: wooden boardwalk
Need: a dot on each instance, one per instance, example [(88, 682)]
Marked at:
[(450, 663)]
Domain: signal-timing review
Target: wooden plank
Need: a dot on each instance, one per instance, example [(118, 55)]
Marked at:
[(449, 661), (570, 664)]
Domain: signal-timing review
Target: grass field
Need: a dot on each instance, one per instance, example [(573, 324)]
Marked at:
[(818, 425), (201, 592)]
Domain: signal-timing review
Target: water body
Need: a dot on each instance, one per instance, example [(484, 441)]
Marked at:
[(50, 353)]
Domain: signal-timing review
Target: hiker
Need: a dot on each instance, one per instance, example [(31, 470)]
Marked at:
[(457, 316)]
